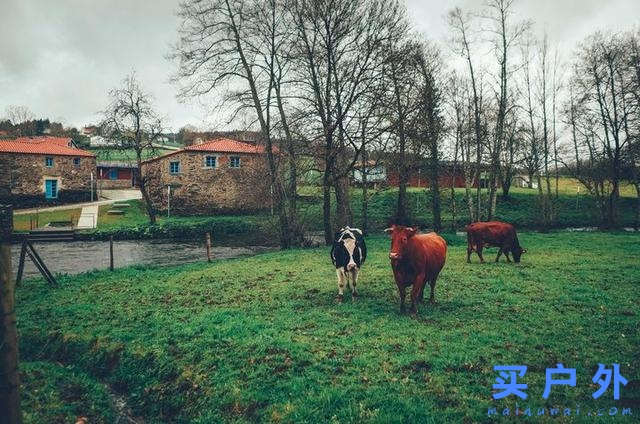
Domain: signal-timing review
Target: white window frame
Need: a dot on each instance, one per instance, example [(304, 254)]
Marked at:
[(171, 172), (216, 161)]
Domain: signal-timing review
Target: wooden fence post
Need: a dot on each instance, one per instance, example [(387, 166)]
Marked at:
[(208, 247), (111, 253), (9, 377)]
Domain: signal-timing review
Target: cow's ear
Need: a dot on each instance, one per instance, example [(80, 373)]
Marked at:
[(388, 230), (411, 231)]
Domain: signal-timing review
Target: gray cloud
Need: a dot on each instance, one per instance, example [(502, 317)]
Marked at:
[(60, 58)]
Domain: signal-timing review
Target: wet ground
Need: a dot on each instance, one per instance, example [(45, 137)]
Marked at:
[(75, 257)]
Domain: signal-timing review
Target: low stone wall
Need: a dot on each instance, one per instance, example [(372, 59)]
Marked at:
[(114, 184)]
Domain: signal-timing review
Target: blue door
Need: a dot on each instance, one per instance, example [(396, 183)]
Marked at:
[(51, 189)]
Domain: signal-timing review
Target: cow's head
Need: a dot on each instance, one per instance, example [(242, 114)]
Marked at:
[(346, 239), (517, 253), (399, 237)]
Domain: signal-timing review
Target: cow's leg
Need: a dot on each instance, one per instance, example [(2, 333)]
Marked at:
[(401, 293), (421, 298), (469, 250), (354, 281), (341, 278), (506, 255), (432, 298), (479, 251), (418, 285), (499, 253)]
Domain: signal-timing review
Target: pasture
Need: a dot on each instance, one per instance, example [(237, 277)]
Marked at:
[(262, 338)]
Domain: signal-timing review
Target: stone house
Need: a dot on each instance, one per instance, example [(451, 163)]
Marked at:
[(47, 171), (221, 175)]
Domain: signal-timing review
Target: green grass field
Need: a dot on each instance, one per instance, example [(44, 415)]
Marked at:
[(22, 222), (107, 154), (262, 339)]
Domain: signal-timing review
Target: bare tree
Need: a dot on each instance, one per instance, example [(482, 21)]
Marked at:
[(239, 46), (462, 42), (462, 122), (404, 81), (131, 123), (599, 114), (340, 51), (506, 36), (18, 114), (632, 121), (430, 122)]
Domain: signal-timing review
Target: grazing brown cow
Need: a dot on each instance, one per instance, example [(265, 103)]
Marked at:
[(415, 259), (495, 234)]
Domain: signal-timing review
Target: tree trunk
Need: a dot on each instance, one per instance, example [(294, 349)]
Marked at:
[(296, 235), (326, 207), (151, 211), (469, 196), (401, 206), (434, 184), (365, 194), (637, 220), (9, 376), (343, 207)]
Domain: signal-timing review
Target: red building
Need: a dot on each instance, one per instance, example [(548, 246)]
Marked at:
[(381, 173), (116, 175)]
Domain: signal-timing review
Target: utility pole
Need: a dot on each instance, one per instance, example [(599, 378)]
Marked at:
[(168, 200), (9, 376)]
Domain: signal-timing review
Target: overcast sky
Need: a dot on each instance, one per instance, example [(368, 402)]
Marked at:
[(60, 58)]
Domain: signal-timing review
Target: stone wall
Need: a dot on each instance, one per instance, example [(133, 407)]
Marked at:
[(114, 184), (198, 190), (28, 173)]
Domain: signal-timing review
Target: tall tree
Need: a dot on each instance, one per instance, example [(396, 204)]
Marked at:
[(340, 51), (241, 44), (430, 122), (404, 76), (506, 35), (131, 123), (601, 91), (459, 23)]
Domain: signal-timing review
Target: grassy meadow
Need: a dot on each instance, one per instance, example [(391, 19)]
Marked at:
[(262, 339), (22, 222)]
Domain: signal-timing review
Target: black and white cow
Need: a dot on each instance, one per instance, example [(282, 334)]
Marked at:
[(348, 254)]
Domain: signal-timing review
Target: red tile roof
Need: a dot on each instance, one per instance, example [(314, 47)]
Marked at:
[(58, 146), (60, 141), (227, 145), (219, 145)]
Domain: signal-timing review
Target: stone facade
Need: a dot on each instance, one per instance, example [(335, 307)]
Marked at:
[(200, 190), (28, 174), (106, 184)]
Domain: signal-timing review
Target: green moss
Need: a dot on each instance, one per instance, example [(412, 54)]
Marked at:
[(53, 393)]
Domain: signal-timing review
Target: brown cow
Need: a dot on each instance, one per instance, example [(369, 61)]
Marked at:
[(494, 234), (415, 259)]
